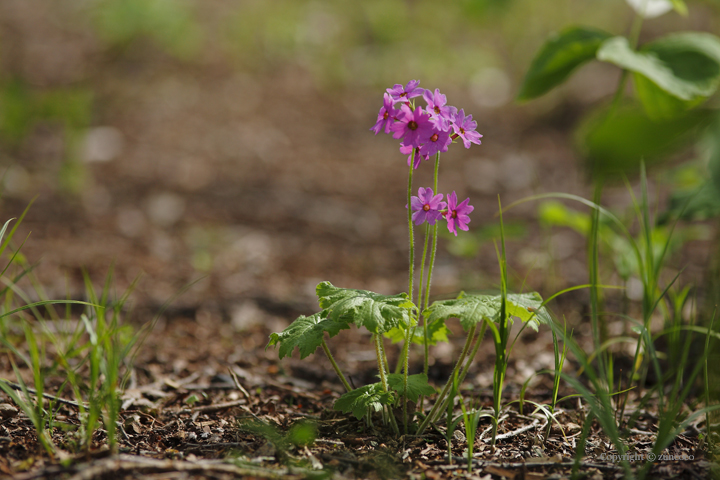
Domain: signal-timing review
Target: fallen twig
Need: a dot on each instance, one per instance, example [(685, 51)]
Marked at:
[(19, 388), (121, 464)]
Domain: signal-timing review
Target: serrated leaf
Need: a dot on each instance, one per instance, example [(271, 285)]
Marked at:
[(437, 332), (378, 313), (306, 333), (417, 385), (558, 58), (360, 400), (472, 309), (528, 308)]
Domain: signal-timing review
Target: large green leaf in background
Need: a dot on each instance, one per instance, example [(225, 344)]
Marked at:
[(360, 400), (558, 57), (306, 333), (472, 309), (671, 74), (378, 313), (616, 143)]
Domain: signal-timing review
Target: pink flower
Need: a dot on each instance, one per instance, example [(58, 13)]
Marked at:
[(439, 141), (457, 215), (426, 206), (441, 114), (412, 127), (386, 116), (465, 128), (400, 93), (413, 154)]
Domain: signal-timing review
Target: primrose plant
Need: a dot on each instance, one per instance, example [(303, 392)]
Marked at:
[(424, 132)]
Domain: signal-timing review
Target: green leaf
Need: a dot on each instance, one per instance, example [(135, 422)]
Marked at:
[(658, 104), (683, 65), (472, 309), (557, 59), (417, 385), (616, 144), (360, 400), (680, 7), (306, 333), (437, 332), (693, 57), (528, 308), (378, 313)]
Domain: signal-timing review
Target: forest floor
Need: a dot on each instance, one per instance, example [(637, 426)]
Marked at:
[(254, 188)]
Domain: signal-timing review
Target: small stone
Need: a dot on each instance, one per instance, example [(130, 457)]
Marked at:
[(7, 410)]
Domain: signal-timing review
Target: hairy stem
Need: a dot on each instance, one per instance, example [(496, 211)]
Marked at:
[(335, 366), (410, 233), (380, 352)]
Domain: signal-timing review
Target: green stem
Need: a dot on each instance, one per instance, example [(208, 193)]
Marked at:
[(427, 298), (381, 365), (426, 363), (422, 266), (469, 361), (438, 403), (379, 352), (335, 366), (633, 41), (410, 233)]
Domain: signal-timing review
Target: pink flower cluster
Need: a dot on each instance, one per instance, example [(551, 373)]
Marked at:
[(430, 208), (423, 131)]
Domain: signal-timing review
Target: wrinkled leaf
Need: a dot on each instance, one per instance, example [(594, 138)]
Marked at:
[(472, 309), (528, 308), (417, 385), (378, 313), (306, 333), (557, 59), (437, 332), (360, 400)]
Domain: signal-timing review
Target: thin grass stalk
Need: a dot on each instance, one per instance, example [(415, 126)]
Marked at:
[(593, 252), (706, 382), (438, 403), (502, 335), (463, 373)]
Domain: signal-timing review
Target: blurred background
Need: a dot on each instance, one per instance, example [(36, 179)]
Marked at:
[(230, 140)]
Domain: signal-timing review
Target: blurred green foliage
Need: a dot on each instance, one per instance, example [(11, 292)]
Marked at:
[(617, 246), (672, 76), (469, 244), (170, 24), (23, 108)]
